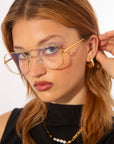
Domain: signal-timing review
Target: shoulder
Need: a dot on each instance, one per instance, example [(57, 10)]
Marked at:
[(8, 120), (3, 121)]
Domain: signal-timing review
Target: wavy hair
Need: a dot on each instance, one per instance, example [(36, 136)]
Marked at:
[(96, 119)]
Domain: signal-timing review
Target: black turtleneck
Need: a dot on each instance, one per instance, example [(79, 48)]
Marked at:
[(62, 121)]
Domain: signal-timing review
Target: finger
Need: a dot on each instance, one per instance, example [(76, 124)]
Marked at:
[(110, 34), (102, 37), (106, 35), (106, 63), (107, 45), (108, 48), (106, 42), (101, 57), (103, 43)]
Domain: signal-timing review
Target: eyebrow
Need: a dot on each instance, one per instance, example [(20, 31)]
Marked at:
[(40, 42)]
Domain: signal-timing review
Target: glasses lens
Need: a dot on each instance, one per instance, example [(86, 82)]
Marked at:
[(17, 62), (52, 57)]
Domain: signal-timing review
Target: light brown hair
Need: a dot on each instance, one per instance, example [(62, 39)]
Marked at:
[(96, 118)]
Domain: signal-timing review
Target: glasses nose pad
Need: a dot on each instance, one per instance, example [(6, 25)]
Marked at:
[(40, 60)]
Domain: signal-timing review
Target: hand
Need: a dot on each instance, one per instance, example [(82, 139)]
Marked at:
[(106, 42)]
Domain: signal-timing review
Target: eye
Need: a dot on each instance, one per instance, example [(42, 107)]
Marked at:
[(22, 56), (51, 50)]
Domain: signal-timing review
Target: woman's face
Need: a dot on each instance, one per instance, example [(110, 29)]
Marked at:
[(65, 85)]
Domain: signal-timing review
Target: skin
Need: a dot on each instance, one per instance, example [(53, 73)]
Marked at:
[(3, 121), (89, 50), (106, 42), (68, 82)]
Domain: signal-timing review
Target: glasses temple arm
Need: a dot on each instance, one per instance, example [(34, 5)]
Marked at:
[(72, 45)]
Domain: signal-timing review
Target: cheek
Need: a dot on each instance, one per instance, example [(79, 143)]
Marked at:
[(29, 80), (76, 69), (72, 75)]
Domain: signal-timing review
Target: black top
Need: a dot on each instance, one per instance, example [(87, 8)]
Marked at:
[(62, 121)]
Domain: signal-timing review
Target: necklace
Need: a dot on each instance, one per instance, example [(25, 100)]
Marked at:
[(61, 140)]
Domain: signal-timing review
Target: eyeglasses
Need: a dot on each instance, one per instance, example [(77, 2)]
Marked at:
[(50, 56)]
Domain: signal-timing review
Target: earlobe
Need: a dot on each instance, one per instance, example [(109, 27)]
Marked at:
[(92, 47)]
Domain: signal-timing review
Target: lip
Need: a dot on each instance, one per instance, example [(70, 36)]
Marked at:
[(43, 85)]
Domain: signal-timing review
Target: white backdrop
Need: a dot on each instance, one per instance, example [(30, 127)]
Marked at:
[(12, 89)]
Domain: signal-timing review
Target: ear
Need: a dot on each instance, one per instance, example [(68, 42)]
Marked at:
[(92, 47)]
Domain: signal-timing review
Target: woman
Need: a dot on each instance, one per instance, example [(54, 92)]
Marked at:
[(58, 52)]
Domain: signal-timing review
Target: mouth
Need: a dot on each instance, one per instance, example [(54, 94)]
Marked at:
[(43, 85)]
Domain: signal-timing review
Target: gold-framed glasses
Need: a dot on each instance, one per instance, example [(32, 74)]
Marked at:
[(50, 56)]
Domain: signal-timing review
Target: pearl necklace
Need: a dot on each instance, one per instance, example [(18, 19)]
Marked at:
[(61, 140)]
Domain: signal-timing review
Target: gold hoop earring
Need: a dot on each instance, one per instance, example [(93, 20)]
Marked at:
[(91, 64)]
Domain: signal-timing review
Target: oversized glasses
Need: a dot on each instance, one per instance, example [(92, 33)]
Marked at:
[(50, 56)]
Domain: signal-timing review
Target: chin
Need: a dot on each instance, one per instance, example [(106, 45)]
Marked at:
[(48, 98)]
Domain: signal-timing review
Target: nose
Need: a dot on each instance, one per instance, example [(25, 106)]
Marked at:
[(37, 69)]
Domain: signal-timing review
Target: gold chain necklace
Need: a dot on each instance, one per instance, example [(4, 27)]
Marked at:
[(61, 140)]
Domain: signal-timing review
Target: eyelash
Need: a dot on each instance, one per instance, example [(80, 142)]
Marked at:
[(51, 44), (58, 44)]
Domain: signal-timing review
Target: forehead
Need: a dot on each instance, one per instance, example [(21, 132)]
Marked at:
[(26, 32)]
